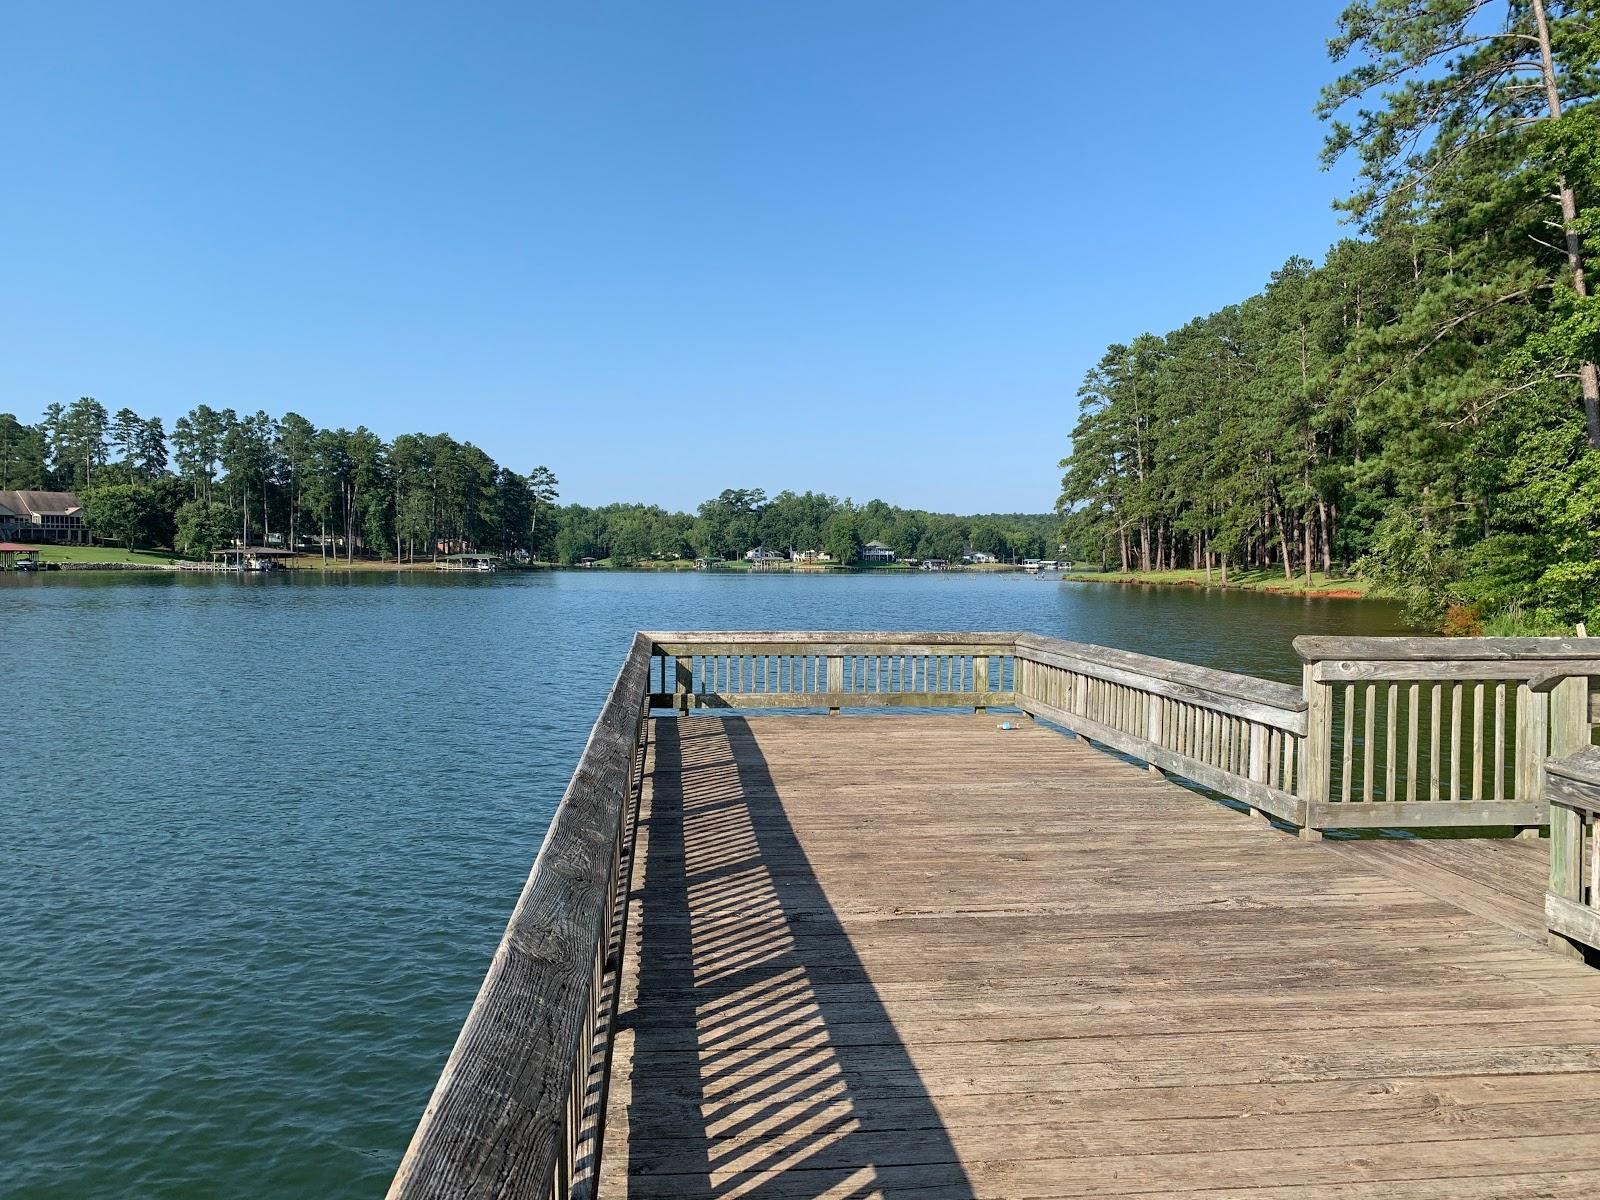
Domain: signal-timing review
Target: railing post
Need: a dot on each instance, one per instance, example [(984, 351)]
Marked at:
[(980, 679), (1568, 719), (1317, 759), (835, 680), (1533, 743), (683, 681), (1569, 716)]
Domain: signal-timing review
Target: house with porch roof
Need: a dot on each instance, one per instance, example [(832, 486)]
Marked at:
[(33, 516)]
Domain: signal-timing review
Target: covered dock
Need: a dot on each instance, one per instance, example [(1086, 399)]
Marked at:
[(13, 554), (469, 561), (252, 558)]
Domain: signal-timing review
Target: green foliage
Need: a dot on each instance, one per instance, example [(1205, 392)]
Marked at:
[(842, 539), (22, 455), (1415, 563), (203, 526), (727, 525), (743, 519), (120, 512), (1413, 403), (1518, 622)]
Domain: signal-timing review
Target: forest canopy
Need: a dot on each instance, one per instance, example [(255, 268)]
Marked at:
[(1422, 405)]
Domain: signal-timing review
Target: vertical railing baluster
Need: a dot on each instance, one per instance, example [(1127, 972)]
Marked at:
[(1455, 742), (1413, 737), (1347, 763), (1369, 749), (1390, 726)]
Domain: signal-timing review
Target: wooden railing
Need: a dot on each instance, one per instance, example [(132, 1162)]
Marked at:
[(1385, 732), (832, 670), (1235, 734), (519, 1108), (1572, 900), (1435, 732)]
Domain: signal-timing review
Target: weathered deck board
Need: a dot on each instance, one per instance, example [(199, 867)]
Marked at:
[(1501, 879), (916, 956)]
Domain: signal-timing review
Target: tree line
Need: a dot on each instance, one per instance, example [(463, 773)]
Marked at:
[(739, 520), (219, 478), (1422, 406)]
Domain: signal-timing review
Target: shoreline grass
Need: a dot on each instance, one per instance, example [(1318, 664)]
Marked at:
[(1269, 579)]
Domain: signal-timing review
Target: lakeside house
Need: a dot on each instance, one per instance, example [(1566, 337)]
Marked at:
[(761, 555), (877, 552), (979, 557), (31, 516), (810, 556)]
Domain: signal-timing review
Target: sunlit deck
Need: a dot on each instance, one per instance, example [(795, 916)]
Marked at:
[(903, 952), (921, 956)]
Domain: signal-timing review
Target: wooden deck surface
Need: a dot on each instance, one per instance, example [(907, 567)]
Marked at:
[(1500, 879), (917, 956)]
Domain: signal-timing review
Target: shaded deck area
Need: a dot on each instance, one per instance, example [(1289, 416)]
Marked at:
[(917, 956)]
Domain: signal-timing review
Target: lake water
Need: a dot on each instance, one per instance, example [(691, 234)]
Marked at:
[(259, 836)]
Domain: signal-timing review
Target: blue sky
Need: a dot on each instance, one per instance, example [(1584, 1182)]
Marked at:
[(663, 247)]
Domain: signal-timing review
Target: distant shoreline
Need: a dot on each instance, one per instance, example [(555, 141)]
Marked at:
[(422, 568), (98, 558)]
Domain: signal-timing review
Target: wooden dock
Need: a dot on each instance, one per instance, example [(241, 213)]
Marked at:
[(910, 954), (919, 956)]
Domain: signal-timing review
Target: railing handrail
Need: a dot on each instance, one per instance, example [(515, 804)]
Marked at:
[(1227, 685), (1277, 704), (1542, 662), (753, 641), (504, 1116), (1312, 647), (1581, 772)]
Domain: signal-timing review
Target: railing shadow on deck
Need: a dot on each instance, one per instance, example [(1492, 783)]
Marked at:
[(761, 1047)]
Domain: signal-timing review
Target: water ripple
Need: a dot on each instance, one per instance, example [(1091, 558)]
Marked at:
[(259, 837)]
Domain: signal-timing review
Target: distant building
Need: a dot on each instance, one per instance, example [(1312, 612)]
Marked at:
[(877, 552), (759, 555), (978, 557), (43, 517), (810, 556)]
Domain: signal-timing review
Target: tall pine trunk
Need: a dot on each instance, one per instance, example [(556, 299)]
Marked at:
[(1281, 520), (1307, 529), (1588, 376)]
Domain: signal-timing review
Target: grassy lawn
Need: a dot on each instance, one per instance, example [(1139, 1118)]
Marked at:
[(1268, 580), (107, 554), (315, 562)]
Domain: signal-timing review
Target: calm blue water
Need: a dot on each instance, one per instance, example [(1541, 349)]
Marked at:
[(259, 836)]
